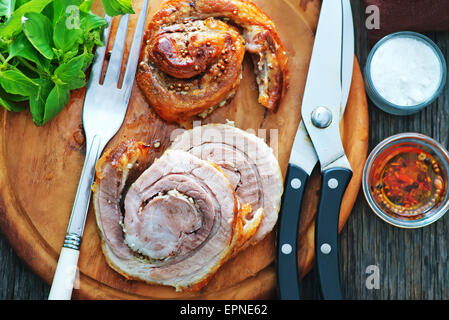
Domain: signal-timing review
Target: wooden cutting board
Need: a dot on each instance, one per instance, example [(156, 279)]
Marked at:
[(40, 168)]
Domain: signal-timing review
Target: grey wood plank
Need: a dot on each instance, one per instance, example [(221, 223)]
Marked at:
[(17, 281)]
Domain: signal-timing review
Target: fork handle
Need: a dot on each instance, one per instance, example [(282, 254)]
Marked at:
[(65, 275), (63, 280)]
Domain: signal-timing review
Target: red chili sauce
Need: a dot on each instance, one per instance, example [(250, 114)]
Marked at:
[(408, 182)]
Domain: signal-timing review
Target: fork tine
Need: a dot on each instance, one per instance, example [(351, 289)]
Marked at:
[(97, 66), (134, 53), (115, 62)]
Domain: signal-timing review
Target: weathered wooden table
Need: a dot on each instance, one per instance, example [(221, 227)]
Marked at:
[(410, 264)]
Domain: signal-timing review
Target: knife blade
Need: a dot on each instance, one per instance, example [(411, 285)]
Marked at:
[(302, 161), (320, 109)]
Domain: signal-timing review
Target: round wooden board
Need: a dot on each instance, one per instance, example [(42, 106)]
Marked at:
[(40, 168)]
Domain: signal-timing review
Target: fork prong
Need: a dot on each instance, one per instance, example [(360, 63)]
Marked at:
[(97, 66), (134, 53), (115, 62)]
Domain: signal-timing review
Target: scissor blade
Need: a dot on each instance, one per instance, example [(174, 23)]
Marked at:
[(347, 54), (323, 86), (303, 152)]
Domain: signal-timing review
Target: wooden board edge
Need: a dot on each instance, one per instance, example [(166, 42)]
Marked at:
[(11, 212)]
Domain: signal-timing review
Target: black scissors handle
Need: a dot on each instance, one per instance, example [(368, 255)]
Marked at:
[(334, 184), (287, 260)]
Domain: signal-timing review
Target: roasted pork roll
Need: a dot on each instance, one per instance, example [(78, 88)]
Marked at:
[(175, 225), (248, 162), (191, 62)]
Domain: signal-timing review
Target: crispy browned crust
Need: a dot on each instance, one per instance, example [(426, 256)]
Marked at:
[(193, 52), (120, 156), (123, 158)]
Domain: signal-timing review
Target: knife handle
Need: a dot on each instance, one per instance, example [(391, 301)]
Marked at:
[(287, 262), (334, 184)]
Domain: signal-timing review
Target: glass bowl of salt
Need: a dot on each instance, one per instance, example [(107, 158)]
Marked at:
[(404, 73)]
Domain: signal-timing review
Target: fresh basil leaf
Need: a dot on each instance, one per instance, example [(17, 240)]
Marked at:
[(3, 45), (88, 58), (63, 7), (68, 70), (15, 82), (64, 36), (77, 83), (117, 7), (15, 97), (68, 9), (8, 101), (20, 3), (95, 38), (90, 21), (14, 24), (91, 40), (37, 29), (37, 101), (69, 55), (9, 105), (86, 5), (21, 47), (6, 9), (57, 99), (71, 73), (48, 12)]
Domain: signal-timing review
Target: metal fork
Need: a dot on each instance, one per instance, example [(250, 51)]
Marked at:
[(104, 110)]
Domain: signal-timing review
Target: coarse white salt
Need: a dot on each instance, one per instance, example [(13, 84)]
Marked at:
[(405, 71)]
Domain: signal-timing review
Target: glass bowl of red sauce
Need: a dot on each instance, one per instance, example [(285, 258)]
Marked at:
[(405, 180)]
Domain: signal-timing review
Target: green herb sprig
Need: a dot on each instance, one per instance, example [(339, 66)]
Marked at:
[(45, 48)]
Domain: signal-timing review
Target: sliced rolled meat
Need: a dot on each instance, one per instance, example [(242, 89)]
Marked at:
[(178, 222), (248, 162), (126, 161), (191, 62)]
